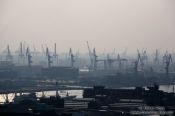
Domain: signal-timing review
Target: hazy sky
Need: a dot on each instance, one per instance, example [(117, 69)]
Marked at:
[(106, 24)]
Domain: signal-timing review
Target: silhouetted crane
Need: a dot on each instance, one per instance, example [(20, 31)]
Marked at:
[(137, 62), (72, 57), (55, 55), (49, 57), (21, 54), (90, 55), (143, 59), (167, 61), (29, 57), (9, 55), (95, 59), (156, 59)]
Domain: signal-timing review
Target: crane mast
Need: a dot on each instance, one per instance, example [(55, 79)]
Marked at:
[(49, 57), (72, 57), (29, 57), (90, 55)]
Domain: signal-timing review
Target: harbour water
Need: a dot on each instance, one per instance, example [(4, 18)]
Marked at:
[(77, 93), (62, 93)]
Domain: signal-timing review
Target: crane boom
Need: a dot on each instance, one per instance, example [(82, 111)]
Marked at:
[(90, 55)]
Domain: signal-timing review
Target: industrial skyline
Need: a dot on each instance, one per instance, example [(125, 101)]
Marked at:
[(87, 57)]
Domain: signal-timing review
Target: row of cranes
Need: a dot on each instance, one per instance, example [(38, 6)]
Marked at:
[(139, 63), (27, 54), (55, 55), (108, 62), (9, 56), (142, 58)]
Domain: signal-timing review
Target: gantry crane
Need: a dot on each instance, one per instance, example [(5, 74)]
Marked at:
[(49, 57), (91, 55), (136, 63), (156, 59), (55, 55), (72, 57), (9, 55), (167, 60), (29, 57)]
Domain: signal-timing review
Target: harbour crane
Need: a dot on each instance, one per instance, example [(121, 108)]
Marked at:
[(156, 59), (9, 55), (55, 55), (29, 57), (21, 54), (91, 56), (120, 63), (43, 50), (143, 59), (136, 63), (109, 61), (21, 50), (167, 61), (49, 57), (95, 59), (72, 57), (118, 59)]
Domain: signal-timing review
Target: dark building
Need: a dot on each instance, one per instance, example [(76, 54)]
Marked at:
[(136, 93)]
